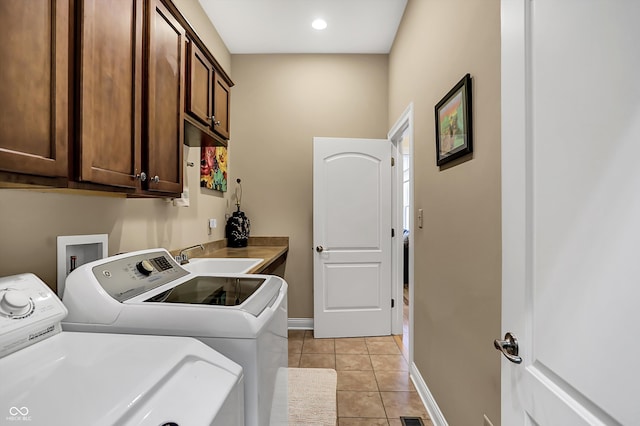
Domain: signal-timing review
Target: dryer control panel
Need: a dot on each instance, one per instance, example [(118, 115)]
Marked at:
[(29, 312), (126, 277)]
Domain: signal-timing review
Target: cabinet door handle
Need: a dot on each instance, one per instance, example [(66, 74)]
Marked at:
[(214, 122), (155, 179), (142, 176)]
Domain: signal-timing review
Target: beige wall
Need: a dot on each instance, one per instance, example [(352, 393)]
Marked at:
[(197, 18), (279, 103), (30, 221), (458, 252)]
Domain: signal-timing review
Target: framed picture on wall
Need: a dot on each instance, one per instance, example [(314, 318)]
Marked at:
[(454, 132), (213, 168)]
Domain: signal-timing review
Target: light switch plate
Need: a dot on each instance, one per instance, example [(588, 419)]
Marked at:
[(487, 422)]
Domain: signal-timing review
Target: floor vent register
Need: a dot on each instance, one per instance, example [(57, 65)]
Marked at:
[(411, 421)]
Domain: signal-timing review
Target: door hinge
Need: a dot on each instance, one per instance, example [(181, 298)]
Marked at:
[(393, 302), (393, 232), (393, 161)]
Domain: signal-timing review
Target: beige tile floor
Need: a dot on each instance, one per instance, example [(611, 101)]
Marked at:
[(374, 388)]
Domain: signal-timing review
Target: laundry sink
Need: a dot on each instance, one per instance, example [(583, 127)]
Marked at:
[(221, 265)]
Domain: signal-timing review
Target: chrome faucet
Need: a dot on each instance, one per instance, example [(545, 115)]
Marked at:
[(182, 258)]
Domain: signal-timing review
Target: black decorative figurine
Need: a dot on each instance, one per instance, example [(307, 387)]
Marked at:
[(238, 225)]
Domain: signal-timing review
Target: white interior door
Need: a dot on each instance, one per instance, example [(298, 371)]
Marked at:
[(571, 209), (352, 237)]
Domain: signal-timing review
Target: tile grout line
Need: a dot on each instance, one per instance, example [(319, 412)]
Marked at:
[(373, 370), (375, 377)]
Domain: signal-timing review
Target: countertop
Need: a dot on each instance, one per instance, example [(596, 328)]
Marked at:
[(271, 249)]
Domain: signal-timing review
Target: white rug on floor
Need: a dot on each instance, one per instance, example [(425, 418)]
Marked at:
[(305, 397)]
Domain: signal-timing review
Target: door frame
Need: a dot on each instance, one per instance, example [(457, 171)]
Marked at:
[(514, 90), (404, 125)]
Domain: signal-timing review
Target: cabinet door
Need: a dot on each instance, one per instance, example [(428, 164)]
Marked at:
[(221, 106), (165, 120), (110, 91), (199, 86), (34, 92)]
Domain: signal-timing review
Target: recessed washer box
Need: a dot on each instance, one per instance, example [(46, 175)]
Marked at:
[(85, 249)]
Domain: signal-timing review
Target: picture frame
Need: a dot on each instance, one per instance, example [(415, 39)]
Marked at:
[(213, 168), (454, 127)]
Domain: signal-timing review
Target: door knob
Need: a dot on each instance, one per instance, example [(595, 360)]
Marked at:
[(509, 348), (319, 249)]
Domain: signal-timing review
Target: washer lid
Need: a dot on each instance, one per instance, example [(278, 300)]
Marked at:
[(106, 379), (248, 293), (211, 290)]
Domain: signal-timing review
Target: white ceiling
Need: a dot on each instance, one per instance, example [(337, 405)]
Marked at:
[(284, 26)]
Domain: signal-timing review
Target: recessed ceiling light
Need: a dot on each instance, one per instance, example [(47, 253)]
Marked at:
[(319, 24)]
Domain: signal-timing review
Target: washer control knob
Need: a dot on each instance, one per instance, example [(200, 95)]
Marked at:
[(145, 267), (15, 303)]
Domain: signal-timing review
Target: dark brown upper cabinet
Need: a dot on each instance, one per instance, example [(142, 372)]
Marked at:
[(130, 99), (208, 94), (221, 106), (109, 97), (34, 92), (165, 109), (93, 95), (200, 86)]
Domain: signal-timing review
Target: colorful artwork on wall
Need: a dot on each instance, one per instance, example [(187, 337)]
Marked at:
[(454, 133), (213, 168)]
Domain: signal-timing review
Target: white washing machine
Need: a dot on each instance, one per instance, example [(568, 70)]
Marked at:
[(54, 377), (244, 317)]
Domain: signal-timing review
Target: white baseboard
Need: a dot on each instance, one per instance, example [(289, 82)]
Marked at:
[(300, 323), (437, 418)]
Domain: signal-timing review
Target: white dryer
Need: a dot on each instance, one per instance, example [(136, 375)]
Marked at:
[(244, 317), (54, 377)]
